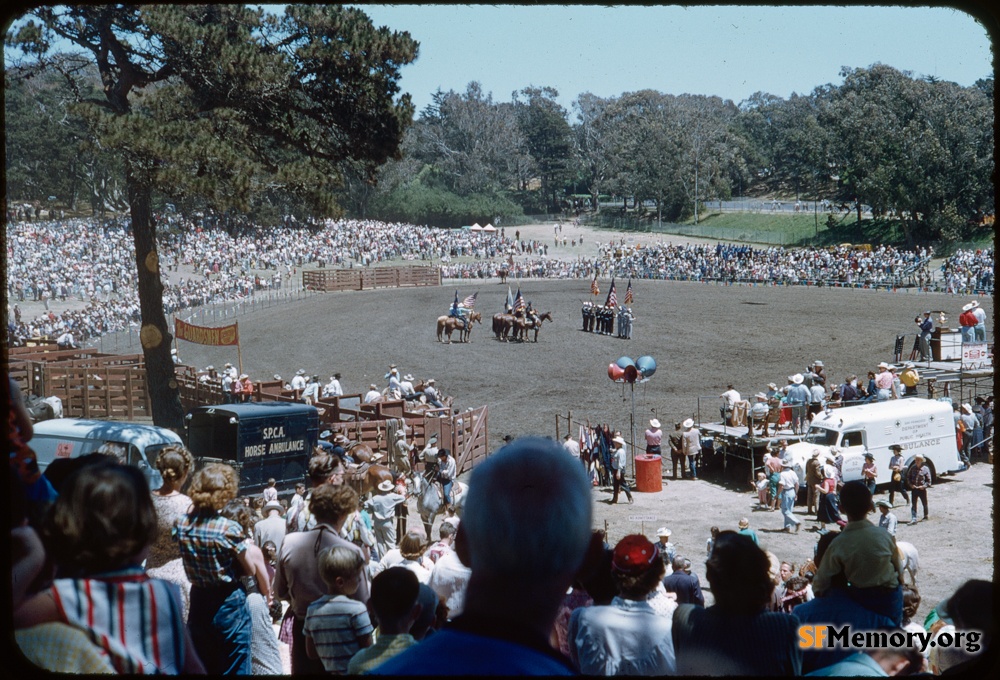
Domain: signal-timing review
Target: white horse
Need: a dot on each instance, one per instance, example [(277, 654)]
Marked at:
[(430, 502), (908, 559)]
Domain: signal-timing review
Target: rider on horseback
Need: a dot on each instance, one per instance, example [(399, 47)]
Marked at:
[(446, 476), (459, 312), (530, 313)]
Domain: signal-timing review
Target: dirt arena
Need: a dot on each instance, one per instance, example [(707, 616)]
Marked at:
[(702, 337)]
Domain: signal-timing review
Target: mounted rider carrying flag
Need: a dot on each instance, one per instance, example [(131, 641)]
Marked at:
[(458, 312)]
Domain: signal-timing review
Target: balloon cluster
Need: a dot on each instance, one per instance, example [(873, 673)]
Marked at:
[(627, 370)]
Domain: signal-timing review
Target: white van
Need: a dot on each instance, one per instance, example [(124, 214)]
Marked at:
[(918, 425), (73, 437)]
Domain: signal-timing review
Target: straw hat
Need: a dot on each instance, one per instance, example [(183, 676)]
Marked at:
[(654, 422), (744, 523), (385, 486), (663, 531), (797, 378), (273, 505), (688, 423)]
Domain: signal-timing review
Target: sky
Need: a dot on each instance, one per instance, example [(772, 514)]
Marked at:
[(730, 52)]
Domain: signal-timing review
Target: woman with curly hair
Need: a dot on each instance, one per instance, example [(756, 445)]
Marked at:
[(174, 463), (736, 635), (212, 546), (626, 637)]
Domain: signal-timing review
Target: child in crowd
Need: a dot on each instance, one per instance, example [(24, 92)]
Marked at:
[(337, 627), (98, 533), (761, 487), (394, 600), (270, 491)]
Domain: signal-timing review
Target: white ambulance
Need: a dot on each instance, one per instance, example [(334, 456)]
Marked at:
[(921, 426)]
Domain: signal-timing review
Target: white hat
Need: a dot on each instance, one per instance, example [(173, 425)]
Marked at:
[(967, 307), (818, 363), (761, 395), (967, 408), (393, 370), (654, 422), (385, 486), (772, 386), (400, 433), (688, 423), (244, 375), (301, 371), (786, 464), (407, 377), (908, 364), (228, 365), (210, 367), (663, 531), (430, 381), (974, 303), (882, 364), (373, 386), (173, 350), (797, 378), (619, 440), (273, 505)]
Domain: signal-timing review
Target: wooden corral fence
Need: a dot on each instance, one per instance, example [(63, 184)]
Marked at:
[(89, 383), (330, 280)]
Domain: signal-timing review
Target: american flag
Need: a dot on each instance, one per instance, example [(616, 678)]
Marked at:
[(612, 300), (510, 299), (470, 301), (628, 294), (456, 298), (594, 290), (519, 301)]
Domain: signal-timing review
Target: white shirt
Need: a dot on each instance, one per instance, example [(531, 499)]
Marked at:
[(371, 396), (449, 580), (980, 316), (406, 387), (788, 480), (298, 383), (573, 447), (312, 391), (817, 393), (333, 389), (624, 638), (731, 397)]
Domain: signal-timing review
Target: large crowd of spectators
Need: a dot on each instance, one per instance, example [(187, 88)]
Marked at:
[(90, 261)]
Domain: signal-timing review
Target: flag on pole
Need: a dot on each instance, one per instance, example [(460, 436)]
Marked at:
[(628, 294), (594, 290), (510, 299), (470, 301), (456, 298), (612, 300), (519, 301)]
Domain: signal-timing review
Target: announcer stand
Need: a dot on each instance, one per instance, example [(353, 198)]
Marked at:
[(733, 451)]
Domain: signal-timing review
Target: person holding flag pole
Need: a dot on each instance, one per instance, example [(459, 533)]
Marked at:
[(607, 319), (458, 312), (627, 316)]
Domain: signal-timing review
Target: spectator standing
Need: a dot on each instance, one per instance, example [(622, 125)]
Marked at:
[(618, 462), (683, 583), (788, 488), (383, 509), (918, 478), (654, 436), (272, 527), (676, 441), (524, 544), (736, 636), (336, 626), (395, 603), (869, 472), (896, 468), (691, 439), (626, 637), (926, 325)]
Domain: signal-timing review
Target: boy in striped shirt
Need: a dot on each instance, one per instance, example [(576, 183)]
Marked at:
[(337, 627)]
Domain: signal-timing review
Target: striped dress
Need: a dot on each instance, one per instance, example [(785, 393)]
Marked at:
[(137, 620)]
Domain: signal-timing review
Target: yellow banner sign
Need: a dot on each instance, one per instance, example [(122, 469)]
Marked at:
[(203, 335)]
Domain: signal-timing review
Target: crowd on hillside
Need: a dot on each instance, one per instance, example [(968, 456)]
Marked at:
[(89, 260), (111, 577)]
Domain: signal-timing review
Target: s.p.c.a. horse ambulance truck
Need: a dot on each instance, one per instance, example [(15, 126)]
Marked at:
[(921, 426)]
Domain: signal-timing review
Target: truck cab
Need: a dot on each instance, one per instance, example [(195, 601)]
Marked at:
[(918, 425), (260, 440)]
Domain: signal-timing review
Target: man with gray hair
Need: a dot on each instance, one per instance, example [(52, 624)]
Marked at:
[(524, 539)]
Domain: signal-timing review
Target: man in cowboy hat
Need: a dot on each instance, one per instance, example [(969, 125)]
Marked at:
[(788, 488), (979, 330), (970, 421), (759, 412), (967, 322), (729, 400), (406, 388), (654, 436), (299, 382), (618, 470), (382, 507), (333, 388), (430, 391), (887, 520), (896, 468), (372, 395), (272, 527), (918, 478), (883, 382), (691, 440), (909, 378), (401, 453), (798, 398), (446, 473), (676, 441)]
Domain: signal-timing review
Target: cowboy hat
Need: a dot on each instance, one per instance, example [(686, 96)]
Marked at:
[(210, 367), (818, 363), (688, 423), (273, 505), (244, 376), (772, 386), (400, 433), (228, 365), (927, 313), (760, 395), (301, 371), (663, 531), (786, 464), (797, 378), (967, 307), (882, 364), (430, 381), (869, 454), (619, 440), (883, 504), (895, 447), (407, 377), (324, 434), (385, 486), (373, 386), (908, 364), (743, 523), (654, 422), (974, 303), (918, 456), (967, 408)]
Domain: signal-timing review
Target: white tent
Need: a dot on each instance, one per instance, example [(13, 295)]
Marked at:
[(477, 227), (489, 227)]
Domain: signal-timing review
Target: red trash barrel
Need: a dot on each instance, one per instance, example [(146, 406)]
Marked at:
[(648, 474)]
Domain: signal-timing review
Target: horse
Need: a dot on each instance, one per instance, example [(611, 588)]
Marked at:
[(446, 325), (429, 500), (909, 559), (522, 326), (503, 273), (366, 477), (502, 323)]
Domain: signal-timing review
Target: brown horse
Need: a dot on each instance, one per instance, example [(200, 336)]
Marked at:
[(503, 274), (366, 477), (522, 326), (502, 323), (446, 325)]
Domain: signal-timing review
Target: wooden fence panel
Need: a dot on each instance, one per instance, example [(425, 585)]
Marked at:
[(331, 280)]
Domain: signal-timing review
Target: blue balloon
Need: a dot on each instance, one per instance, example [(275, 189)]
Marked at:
[(646, 365), (624, 362)]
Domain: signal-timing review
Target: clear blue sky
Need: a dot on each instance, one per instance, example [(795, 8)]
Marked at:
[(731, 52)]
